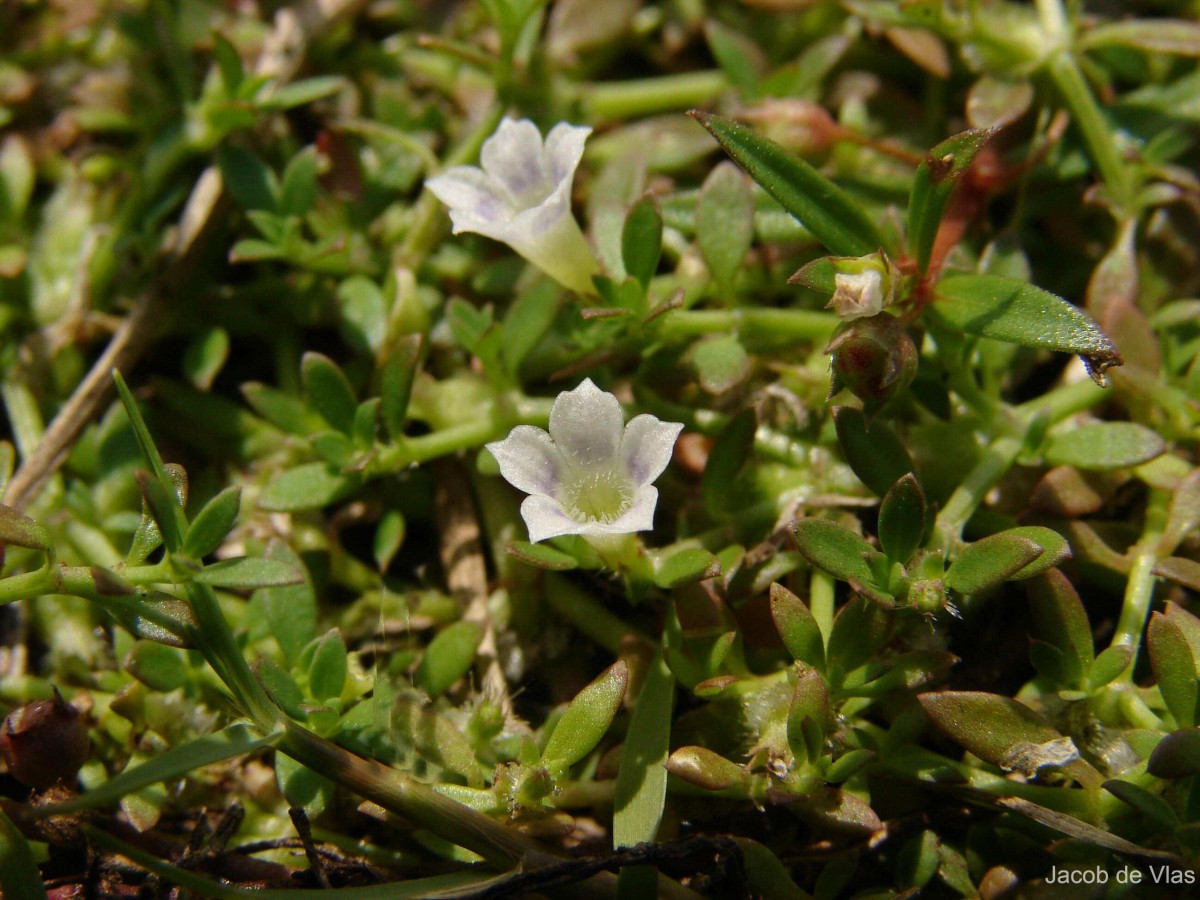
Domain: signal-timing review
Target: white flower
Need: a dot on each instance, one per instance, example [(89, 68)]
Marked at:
[(591, 475), (522, 196), (857, 296)]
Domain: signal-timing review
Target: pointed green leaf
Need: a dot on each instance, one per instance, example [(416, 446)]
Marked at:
[(329, 391), (19, 875), (807, 714), (641, 239), (990, 562), (834, 549), (641, 788), (246, 573), (725, 222), (987, 725), (1103, 445), (398, 373), (327, 670), (799, 630), (19, 530), (586, 720), (902, 519), (875, 453), (212, 523), (937, 177), (449, 657), (1175, 668), (1061, 620), (542, 556), (309, 486), (1006, 309), (1056, 549), (174, 763), (685, 567), (821, 206)]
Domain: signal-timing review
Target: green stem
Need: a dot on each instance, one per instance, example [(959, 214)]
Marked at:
[(1139, 589), (1099, 138), (621, 100)]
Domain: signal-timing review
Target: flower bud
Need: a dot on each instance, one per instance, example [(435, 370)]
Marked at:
[(44, 742), (873, 357)]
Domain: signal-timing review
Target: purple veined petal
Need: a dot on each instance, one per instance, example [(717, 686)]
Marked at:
[(639, 516), (586, 424), (545, 518), (564, 150), (470, 194), (528, 460), (515, 157), (646, 447)]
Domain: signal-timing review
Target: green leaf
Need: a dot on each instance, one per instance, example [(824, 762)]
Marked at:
[(170, 504), (290, 612), (641, 787), (704, 768), (542, 556), (19, 530), (248, 179), (902, 519), (212, 523), (1175, 669), (990, 562), (1103, 445), (228, 61), (1183, 515), (728, 456), (822, 207), (174, 763), (247, 573), (807, 714), (327, 670), (586, 719), (721, 363), (987, 725), (298, 93), (834, 549), (398, 373), (449, 657), (527, 320), (799, 630), (1061, 620), (298, 189), (281, 409), (1055, 549), (937, 177), (725, 222), (159, 667), (1173, 36), (685, 566), (165, 508), (309, 486), (875, 453), (329, 391), (1153, 807), (641, 240), (206, 353), (1109, 665), (859, 632), (19, 875), (1006, 309)]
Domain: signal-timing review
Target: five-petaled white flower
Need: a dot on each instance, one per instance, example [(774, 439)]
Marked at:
[(591, 475), (858, 295), (522, 196)]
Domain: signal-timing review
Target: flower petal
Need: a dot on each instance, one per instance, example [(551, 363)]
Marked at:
[(646, 447), (515, 158), (564, 150), (528, 460), (470, 194), (586, 424), (545, 518), (639, 516)]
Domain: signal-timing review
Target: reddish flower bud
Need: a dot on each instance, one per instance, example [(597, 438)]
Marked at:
[(44, 742), (873, 357)]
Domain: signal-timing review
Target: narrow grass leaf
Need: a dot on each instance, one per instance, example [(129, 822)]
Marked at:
[(937, 177)]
